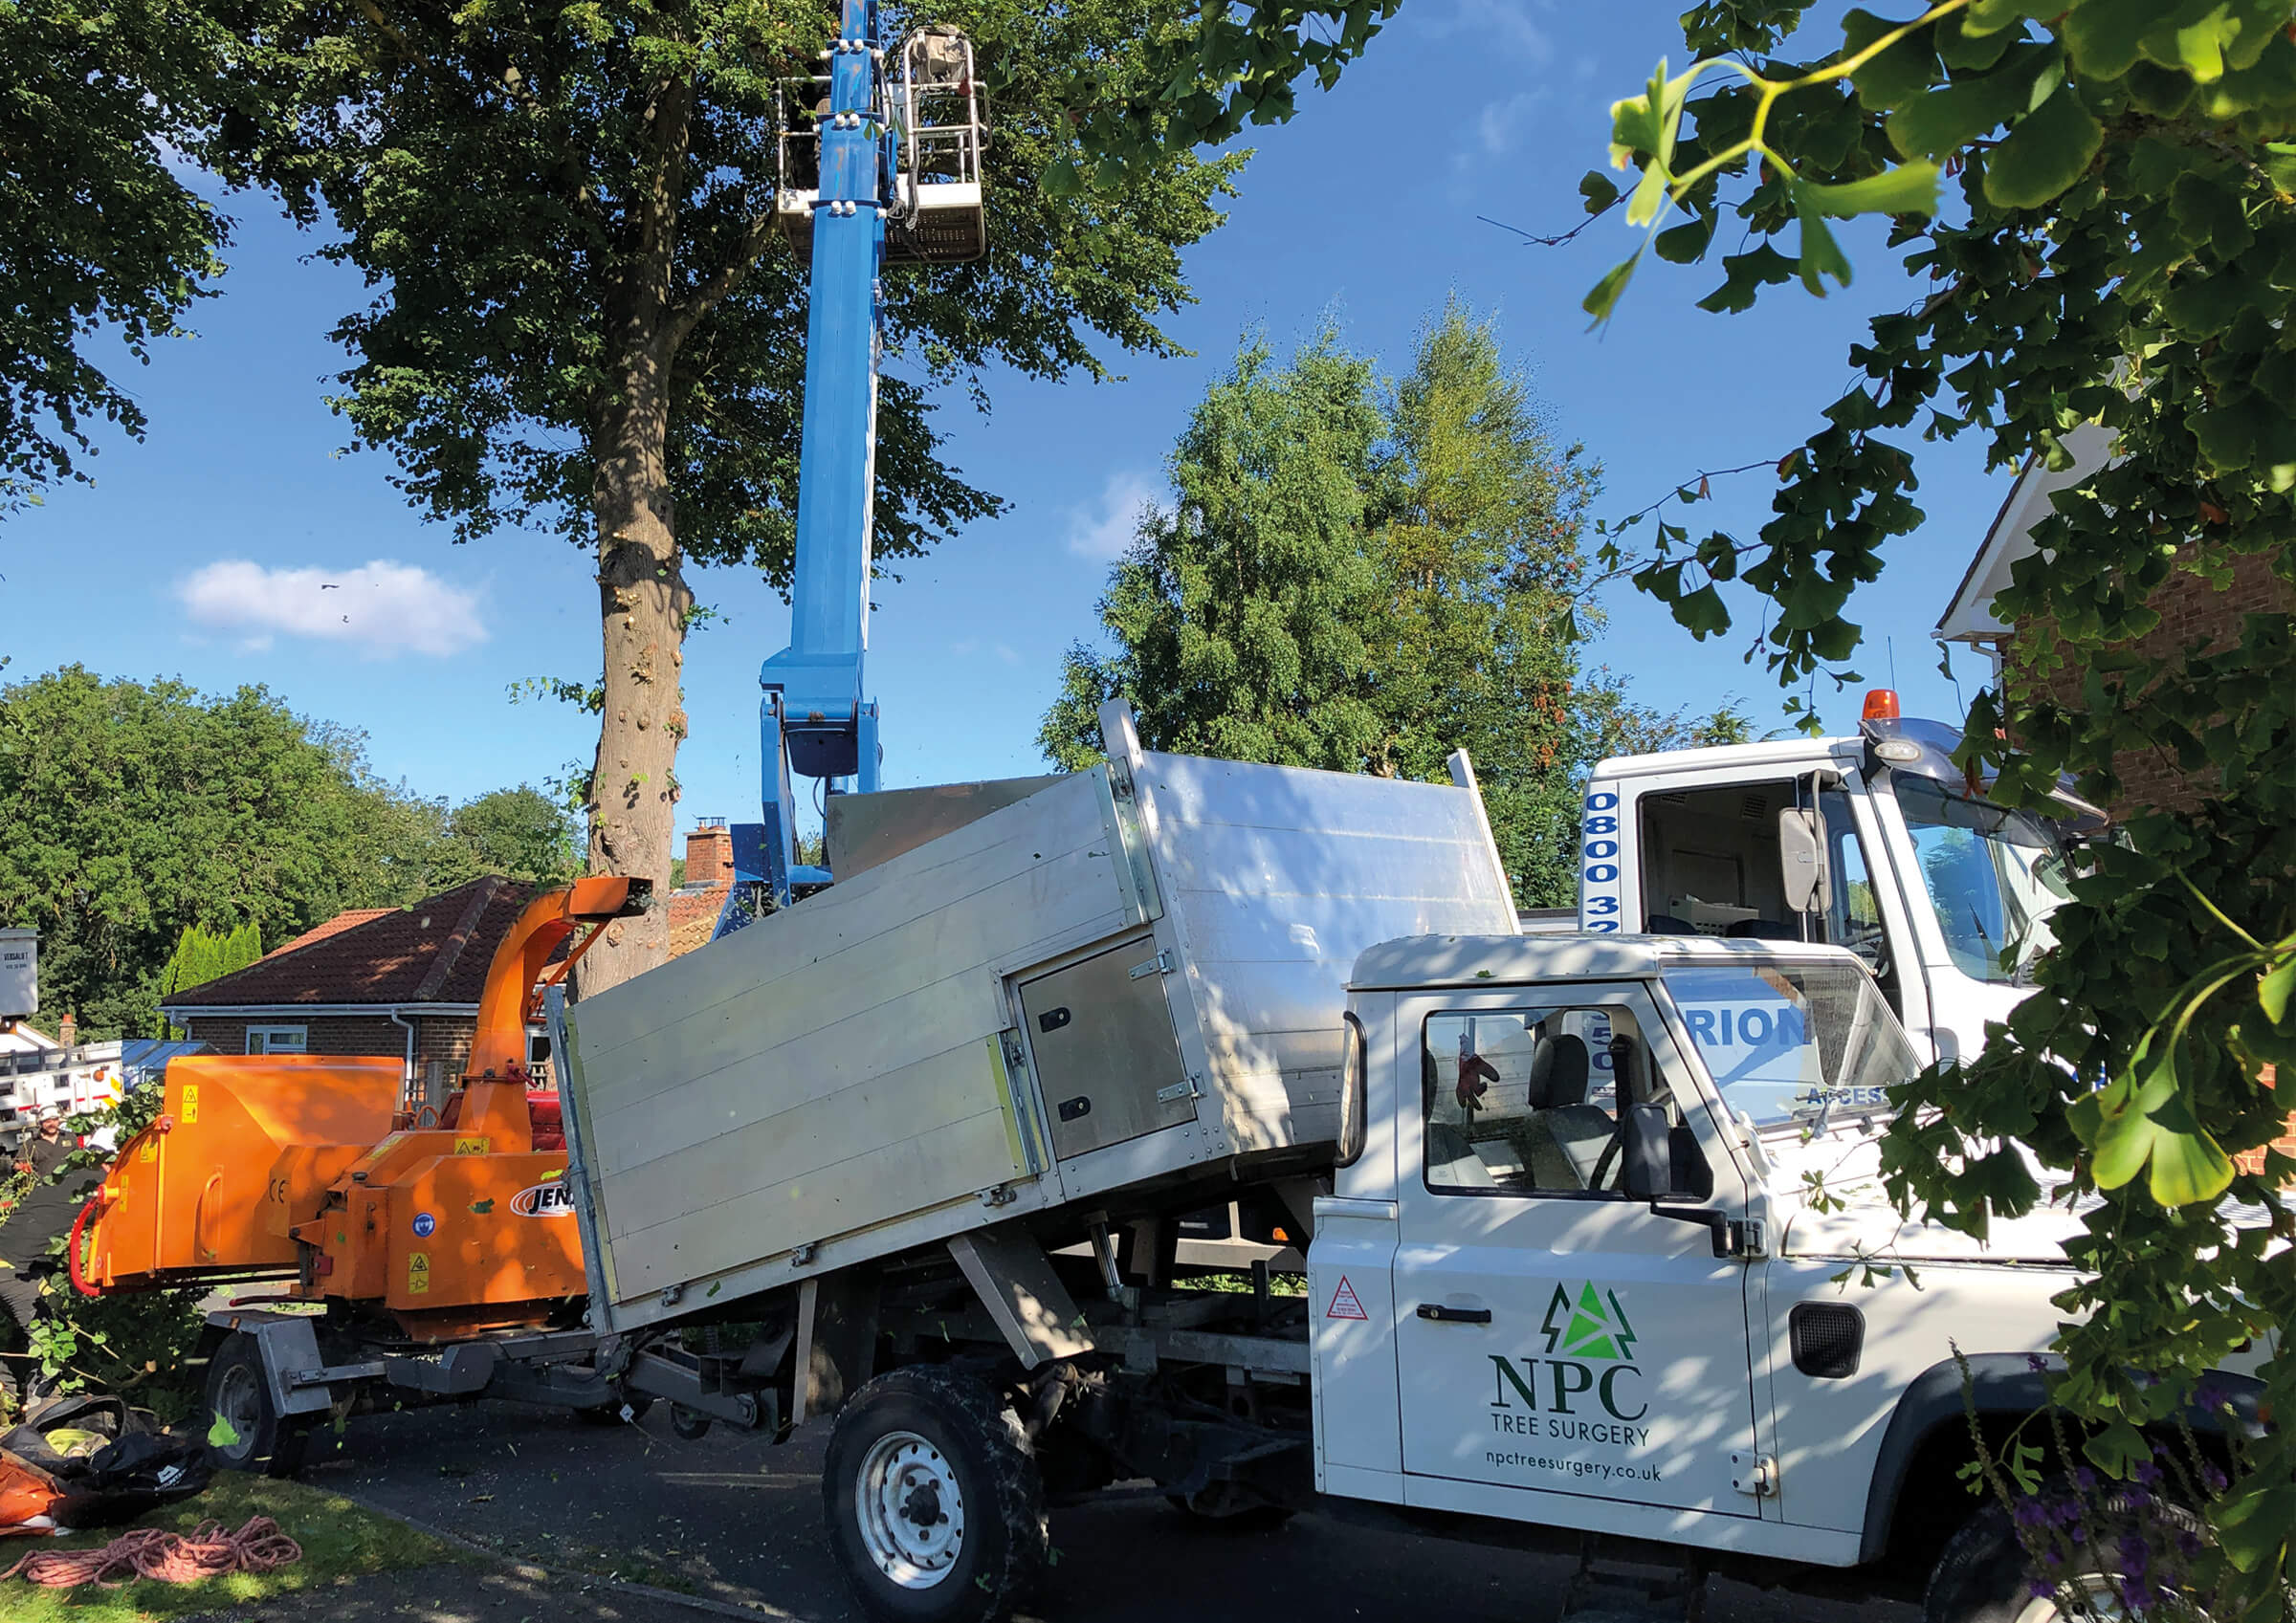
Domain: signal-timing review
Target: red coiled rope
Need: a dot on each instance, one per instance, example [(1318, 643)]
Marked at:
[(206, 1551)]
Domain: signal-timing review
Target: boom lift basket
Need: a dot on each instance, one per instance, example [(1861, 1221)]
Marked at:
[(938, 118)]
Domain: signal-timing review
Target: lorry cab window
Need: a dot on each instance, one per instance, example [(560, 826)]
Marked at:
[(1993, 874), (1526, 1101), (1710, 862)]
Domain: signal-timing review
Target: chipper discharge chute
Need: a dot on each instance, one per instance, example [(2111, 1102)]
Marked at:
[(305, 1170)]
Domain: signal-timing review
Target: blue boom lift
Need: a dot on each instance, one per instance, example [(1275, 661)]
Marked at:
[(880, 163)]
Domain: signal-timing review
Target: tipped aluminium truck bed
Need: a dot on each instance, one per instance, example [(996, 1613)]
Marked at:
[(1133, 975)]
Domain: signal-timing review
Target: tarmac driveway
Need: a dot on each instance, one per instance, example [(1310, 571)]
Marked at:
[(735, 1519)]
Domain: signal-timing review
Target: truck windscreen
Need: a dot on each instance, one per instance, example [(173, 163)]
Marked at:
[(1786, 1042), (1993, 875)]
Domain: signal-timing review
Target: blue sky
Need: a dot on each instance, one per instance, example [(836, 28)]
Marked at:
[(1365, 205)]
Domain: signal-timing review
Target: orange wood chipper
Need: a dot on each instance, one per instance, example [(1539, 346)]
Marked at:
[(437, 1245)]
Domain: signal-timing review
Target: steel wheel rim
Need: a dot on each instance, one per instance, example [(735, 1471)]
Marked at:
[(909, 1511), (2090, 1598), (240, 1405)]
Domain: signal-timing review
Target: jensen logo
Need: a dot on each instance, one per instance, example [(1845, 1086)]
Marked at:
[(544, 1201)]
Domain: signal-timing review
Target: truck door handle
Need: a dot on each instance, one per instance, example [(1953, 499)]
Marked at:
[(1442, 1315)]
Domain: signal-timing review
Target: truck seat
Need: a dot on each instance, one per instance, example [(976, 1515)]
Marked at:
[(1564, 1135), (1453, 1162)]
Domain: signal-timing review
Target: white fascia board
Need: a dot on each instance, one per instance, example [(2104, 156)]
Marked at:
[(1968, 617), (180, 1011)]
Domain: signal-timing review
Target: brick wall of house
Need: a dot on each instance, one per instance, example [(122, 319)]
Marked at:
[(2190, 609)]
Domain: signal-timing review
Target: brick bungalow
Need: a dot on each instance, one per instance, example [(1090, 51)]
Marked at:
[(2191, 611), (405, 981), (374, 980)]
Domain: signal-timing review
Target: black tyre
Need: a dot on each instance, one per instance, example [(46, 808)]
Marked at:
[(1986, 1576), (691, 1424), (252, 1435), (935, 1510)]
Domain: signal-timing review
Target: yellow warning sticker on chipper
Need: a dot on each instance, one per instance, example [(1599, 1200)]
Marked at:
[(472, 1146), (418, 1273), (190, 1102)]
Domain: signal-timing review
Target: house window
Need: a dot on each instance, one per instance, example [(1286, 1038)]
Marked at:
[(277, 1039)]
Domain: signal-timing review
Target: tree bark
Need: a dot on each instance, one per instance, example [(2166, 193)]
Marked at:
[(643, 599)]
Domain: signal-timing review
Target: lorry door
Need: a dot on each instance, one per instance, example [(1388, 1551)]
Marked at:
[(1100, 1032), (1551, 1333)]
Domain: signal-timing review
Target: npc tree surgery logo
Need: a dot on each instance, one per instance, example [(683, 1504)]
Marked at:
[(1588, 1363), (1592, 1327)]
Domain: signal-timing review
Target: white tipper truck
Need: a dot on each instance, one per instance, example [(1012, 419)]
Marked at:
[(914, 1149)]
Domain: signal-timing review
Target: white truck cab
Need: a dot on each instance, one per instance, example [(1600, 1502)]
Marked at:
[(1875, 842), (1664, 1298)]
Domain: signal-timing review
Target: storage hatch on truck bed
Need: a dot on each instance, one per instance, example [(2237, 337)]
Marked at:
[(1106, 1058)]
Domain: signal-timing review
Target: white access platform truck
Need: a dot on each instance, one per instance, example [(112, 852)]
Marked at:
[(914, 1150)]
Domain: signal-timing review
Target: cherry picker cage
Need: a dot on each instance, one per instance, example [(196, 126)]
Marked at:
[(934, 120)]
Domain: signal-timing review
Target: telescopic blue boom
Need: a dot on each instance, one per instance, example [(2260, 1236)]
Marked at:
[(896, 162)]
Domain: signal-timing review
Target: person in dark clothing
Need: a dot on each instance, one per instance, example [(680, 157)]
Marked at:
[(45, 1211)]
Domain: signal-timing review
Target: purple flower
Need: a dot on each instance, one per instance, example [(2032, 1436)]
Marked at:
[(2041, 1588), (2085, 1478), (2037, 1364), (2051, 1558), (2135, 1559), (2029, 1512), (2212, 1478), (2069, 1512), (2148, 1473), (2188, 1545)]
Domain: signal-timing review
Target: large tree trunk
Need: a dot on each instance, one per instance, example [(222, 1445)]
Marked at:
[(642, 604), (642, 596)]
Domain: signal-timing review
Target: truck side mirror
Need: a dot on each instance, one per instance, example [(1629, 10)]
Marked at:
[(1801, 855), (1649, 1161)]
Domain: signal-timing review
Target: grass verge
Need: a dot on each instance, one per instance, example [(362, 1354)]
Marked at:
[(342, 1541)]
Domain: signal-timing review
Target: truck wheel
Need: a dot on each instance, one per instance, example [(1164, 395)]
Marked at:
[(254, 1436), (935, 1510), (1985, 1576), (691, 1424)]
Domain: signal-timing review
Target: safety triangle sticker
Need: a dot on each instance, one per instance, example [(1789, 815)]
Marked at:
[(1344, 1305)]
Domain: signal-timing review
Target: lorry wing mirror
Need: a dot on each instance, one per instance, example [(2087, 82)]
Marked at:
[(1649, 1161), (1802, 854)]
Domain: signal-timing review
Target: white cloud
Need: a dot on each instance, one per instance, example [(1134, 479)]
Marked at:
[(382, 608), (1500, 27), (1103, 530), (1501, 123), (973, 647)]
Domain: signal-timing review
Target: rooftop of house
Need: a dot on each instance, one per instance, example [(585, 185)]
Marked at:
[(693, 911), (435, 952)]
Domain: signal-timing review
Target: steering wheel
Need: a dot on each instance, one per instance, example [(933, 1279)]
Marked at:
[(1610, 1153)]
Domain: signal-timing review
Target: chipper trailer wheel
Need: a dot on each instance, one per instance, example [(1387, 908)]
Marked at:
[(246, 1432), (935, 1507)]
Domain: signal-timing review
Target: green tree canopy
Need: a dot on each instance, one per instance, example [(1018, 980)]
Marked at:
[(520, 833), (1365, 579), (585, 316), (140, 822), (1240, 615), (2114, 247), (100, 242)]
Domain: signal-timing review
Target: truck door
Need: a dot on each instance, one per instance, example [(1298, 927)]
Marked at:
[(1551, 1333)]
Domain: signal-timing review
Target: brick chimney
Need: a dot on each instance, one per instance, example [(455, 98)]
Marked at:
[(67, 1031), (710, 853)]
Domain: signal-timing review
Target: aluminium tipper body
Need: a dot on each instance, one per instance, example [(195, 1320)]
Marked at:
[(1137, 971)]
